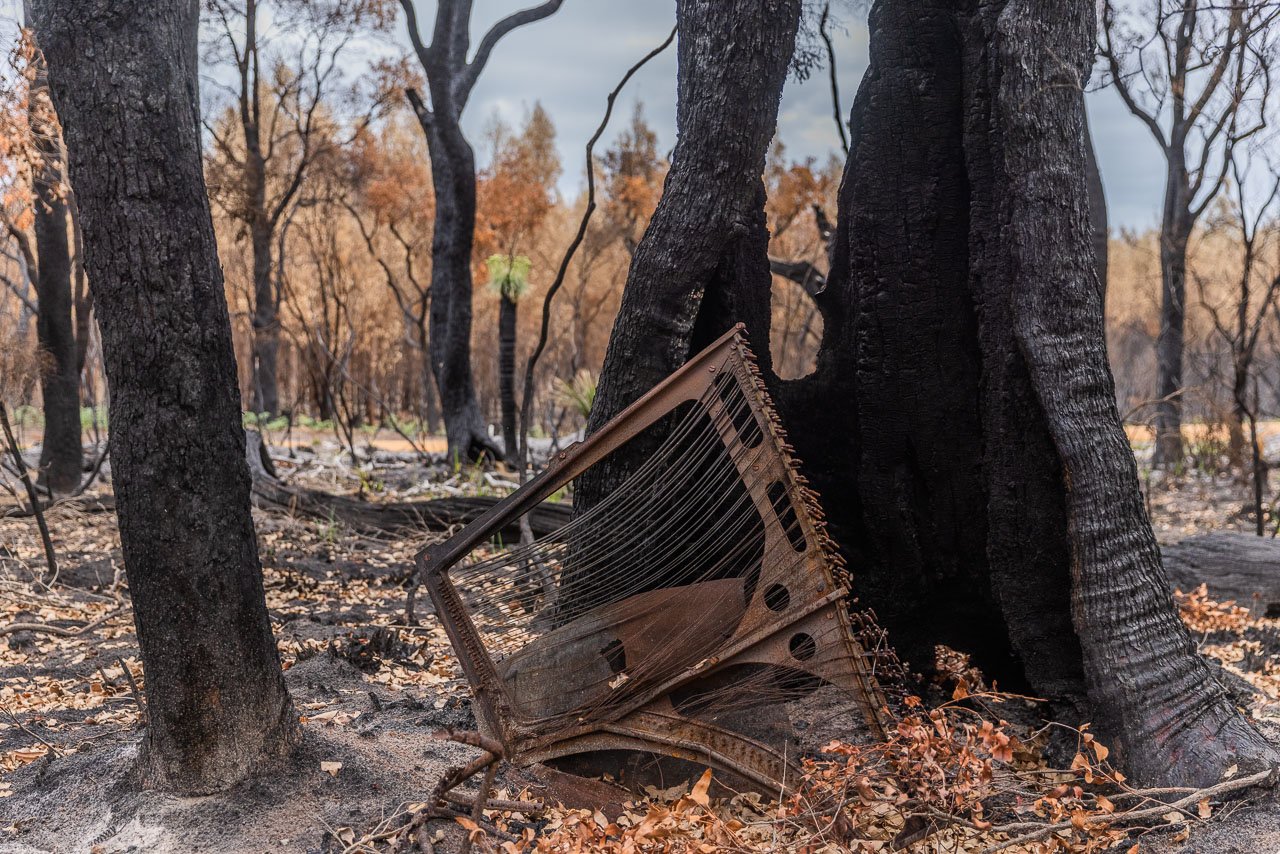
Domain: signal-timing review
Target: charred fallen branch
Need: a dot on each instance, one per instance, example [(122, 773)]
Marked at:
[(438, 514)]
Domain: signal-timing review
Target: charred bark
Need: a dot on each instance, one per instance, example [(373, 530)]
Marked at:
[(702, 263), (961, 423), (453, 176), (124, 81), (997, 506), (906, 461), (507, 315), (1152, 694), (61, 454), (264, 395), (1175, 235)]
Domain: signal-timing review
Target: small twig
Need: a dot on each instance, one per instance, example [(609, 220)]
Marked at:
[(526, 399), (1180, 805), (10, 715), (133, 687), (477, 811), (41, 628), (835, 82), (108, 682), (501, 804), (25, 476)]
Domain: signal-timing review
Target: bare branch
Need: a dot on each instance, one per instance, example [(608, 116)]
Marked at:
[(526, 401), (471, 73), (1118, 78), (835, 83)]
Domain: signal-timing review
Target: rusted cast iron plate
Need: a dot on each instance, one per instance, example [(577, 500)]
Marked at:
[(613, 678)]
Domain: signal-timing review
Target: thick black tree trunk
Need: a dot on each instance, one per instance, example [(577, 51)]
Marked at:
[(453, 174), (1150, 692), (124, 81), (61, 455), (703, 263), (961, 424), (997, 502), (1065, 562)]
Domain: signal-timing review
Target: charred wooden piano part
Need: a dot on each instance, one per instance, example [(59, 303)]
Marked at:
[(703, 586)]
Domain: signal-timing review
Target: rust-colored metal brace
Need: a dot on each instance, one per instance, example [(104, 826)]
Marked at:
[(815, 608)]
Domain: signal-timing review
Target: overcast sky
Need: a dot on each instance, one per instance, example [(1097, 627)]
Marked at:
[(572, 60)]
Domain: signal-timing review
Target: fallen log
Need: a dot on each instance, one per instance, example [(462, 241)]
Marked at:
[(79, 504), (437, 514), (1236, 566)]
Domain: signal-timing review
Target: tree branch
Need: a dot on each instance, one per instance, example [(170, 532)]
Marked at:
[(471, 72), (1107, 50), (835, 83), (526, 401)]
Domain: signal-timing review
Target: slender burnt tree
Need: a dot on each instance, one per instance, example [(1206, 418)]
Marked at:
[(960, 423), (123, 78), (509, 278), (61, 455), (283, 126), (1186, 69), (451, 76)]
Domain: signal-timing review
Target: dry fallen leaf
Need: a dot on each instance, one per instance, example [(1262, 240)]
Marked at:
[(699, 794), (331, 768)]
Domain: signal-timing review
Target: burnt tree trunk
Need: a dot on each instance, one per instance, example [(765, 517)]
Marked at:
[(507, 315), (961, 422), (264, 396), (453, 175), (124, 81), (1151, 693), (450, 78), (997, 502), (61, 454), (1175, 234), (703, 263)]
